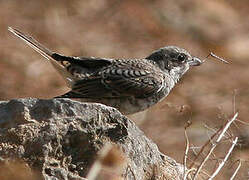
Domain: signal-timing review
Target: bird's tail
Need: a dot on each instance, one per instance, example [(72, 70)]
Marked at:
[(45, 52)]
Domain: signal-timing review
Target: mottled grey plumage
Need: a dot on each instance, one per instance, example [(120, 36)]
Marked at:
[(130, 85)]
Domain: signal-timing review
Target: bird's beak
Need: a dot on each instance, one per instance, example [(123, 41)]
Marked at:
[(195, 62)]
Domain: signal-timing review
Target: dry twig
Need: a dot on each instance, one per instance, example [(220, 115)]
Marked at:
[(205, 145), (221, 135), (236, 171), (225, 159), (186, 149), (108, 165), (217, 57)]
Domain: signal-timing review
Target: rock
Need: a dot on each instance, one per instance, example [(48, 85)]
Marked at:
[(60, 139)]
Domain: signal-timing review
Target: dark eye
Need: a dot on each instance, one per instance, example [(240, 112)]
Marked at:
[(181, 57)]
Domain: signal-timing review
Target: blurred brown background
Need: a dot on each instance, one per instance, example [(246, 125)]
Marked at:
[(114, 28)]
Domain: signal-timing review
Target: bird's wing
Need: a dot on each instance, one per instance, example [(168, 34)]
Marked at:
[(84, 62), (117, 81)]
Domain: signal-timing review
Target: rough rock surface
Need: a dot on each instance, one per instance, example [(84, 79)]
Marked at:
[(60, 138)]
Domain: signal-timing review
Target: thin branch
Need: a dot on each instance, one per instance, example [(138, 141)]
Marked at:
[(209, 128), (204, 161), (236, 171), (225, 159), (217, 57), (215, 144), (188, 172), (186, 150), (205, 173), (226, 127), (96, 167), (203, 147), (242, 122), (234, 100)]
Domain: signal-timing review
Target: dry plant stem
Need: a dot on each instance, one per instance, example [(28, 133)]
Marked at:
[(203, 147), (210, 129), (205, 173), (226, 127), (188, 172), (217, 57), (225, 159), (242, 122), (214, 145), (204, 161), (186, 154), (236, 171), (234, 100), (95, 169)]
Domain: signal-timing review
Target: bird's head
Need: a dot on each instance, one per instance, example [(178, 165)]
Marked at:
[(174, 60)]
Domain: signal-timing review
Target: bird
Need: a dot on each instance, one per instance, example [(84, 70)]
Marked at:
[(129, 85)]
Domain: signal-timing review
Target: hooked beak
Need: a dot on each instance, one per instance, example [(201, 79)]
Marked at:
[(195, 62)]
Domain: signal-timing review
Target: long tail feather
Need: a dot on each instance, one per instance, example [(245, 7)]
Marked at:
[(45, 52)]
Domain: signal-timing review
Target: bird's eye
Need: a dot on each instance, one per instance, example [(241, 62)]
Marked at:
[(181, 57)]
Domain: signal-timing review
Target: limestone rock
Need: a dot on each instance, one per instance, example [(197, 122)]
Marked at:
[(60, 139)]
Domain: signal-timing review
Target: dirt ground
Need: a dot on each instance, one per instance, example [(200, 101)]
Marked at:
[(207, 96)]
